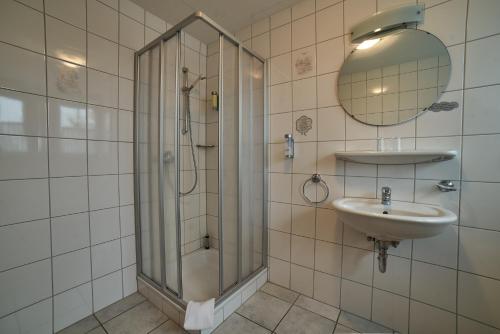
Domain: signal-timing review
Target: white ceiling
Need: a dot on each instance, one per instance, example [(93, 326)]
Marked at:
[(230, 14)]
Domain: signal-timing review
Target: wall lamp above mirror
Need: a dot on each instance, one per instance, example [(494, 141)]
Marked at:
[(385, 21), (395, 73)]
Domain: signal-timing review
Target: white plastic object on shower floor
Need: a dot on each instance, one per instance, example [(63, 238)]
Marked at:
[(199, 315)]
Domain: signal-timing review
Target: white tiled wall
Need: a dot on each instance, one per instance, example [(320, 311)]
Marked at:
[(66, 195), (446, 284)]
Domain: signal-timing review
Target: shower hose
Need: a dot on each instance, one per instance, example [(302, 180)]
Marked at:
[(188, 116)]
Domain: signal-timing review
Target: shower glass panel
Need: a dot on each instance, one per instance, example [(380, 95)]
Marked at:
[(228, 173), (251, 163), (157, 163), (170, 162), (147, 162)]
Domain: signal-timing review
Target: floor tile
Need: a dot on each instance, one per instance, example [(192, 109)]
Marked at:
[(300, 321), (362, 325), (340, 329), (139, 320), (238, 324), (169, 327), (282, 293), (98, 330), (320, 308), (83, 326), (119, 307), (264, 309)]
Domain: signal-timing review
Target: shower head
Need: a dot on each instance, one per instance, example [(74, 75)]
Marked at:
[(188, 87), (196, 81)]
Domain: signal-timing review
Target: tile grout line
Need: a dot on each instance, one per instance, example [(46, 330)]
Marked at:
[(63, 253), (344, 165), (377, 181), (101, 325), (118, 148), (73, 213), (315, 144), (157, 327), (241, 315), (293, 160), (128, 309), (48, 168), (464, 76)]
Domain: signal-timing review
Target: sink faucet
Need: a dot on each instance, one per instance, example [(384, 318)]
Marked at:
[(386, 196)]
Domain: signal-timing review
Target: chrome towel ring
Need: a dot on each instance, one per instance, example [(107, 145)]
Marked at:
[(316, 179)]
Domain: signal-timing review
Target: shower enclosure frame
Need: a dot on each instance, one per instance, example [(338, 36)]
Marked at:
[(224, 35)]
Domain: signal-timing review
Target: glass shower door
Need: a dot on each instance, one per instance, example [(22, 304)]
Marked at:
[(157, 163)]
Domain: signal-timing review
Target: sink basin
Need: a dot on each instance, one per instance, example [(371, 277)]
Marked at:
[(403, 220)]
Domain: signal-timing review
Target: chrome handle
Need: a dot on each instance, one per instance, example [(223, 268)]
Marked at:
[(446, 186)]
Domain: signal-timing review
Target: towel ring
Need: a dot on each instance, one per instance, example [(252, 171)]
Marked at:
[(315, 178)]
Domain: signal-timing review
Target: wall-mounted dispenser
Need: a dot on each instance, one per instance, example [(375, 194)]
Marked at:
[(214, 102), (289, 146)]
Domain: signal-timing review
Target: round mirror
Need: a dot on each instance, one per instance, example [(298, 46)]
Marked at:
[(393, 78)]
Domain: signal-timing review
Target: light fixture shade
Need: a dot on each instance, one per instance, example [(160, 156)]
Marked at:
[(387, 20)]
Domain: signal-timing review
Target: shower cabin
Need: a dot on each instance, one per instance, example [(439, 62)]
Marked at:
[(200, 157)]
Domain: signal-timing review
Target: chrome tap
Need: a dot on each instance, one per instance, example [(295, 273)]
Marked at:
[(386, 196), (446, 186)]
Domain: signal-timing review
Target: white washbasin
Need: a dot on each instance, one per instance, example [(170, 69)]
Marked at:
[(403, 220)]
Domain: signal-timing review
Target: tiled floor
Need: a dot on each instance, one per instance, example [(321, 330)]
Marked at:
[(132, 315), (272, 309)]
